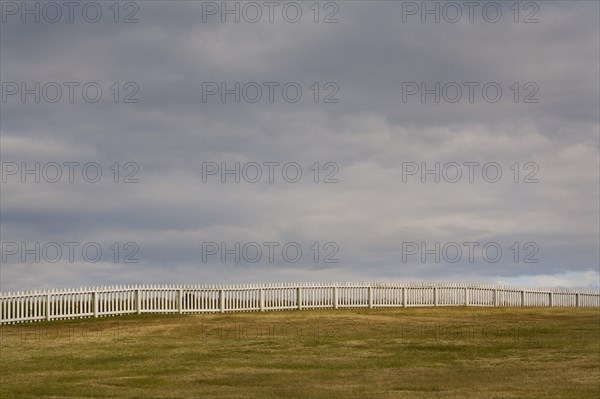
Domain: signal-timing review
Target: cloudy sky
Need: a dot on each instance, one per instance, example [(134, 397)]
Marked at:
[(360, 97)]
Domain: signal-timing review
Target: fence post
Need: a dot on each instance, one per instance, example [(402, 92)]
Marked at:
[(48, 306), (551, 299), (335, 297), (522, 298), (496, 297), (577, 300), (180, 301), (221, 301), (435, 296), (466, 296), (370, 297), (299, 297), (404, 301), (138, 301), (95, 299), (262, 300)]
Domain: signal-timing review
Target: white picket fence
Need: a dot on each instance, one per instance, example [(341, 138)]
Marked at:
[(16, 307)]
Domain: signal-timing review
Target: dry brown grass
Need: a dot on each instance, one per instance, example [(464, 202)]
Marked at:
[(379, 353)]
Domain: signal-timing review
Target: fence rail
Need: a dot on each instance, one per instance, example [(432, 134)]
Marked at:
[(17, 307)]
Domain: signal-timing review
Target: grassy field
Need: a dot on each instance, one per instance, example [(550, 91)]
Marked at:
[(379, 353)]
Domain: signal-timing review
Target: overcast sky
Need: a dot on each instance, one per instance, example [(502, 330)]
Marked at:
[(370, 132)]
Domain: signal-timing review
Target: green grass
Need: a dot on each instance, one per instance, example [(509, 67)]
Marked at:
[(379, 353)]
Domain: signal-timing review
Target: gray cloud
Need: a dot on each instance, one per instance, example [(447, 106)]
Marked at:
[(369, 133)]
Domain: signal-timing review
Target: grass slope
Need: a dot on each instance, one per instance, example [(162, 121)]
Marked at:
[(378, 353)]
